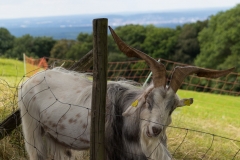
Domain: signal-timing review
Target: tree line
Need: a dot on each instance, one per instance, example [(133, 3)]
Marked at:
[(213, 43)]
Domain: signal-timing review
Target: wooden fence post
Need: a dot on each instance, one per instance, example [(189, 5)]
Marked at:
[(100, 52)]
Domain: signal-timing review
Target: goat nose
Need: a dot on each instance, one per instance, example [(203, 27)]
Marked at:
[(156, 130)]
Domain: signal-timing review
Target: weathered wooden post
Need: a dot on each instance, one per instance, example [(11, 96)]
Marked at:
[(100, 51)]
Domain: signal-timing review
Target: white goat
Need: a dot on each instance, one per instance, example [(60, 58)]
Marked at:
[(56, 112)]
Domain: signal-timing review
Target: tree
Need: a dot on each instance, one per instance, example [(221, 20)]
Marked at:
[(187, 47), (219, 42), (21, 45), (32, 46), (116, 57), (60, 48), (6, 40), (160, 42), (81, 47), (133, 35), (85, 37), (42, 46), (78, 50)]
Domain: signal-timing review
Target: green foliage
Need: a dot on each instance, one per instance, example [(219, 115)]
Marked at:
[(224, 85), (219, 42), (187, 47), (22, 45), (133, 35), (6, 40), (157, 42), (85, 37), (81, 47), (34, 47), (160, 42), (139, 70), (232, 61), (117, 57), (43, 46), (71, 49), (60, 49)]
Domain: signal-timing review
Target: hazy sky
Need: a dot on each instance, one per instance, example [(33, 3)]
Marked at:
[(38, 8)]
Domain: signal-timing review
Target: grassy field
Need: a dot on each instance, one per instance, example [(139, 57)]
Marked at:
[(209, 121), (11, 72), (11, 68), (210, 118), (218, 114)]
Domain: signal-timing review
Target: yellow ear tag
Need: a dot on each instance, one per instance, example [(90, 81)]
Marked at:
[(187, 102), (135, 103)]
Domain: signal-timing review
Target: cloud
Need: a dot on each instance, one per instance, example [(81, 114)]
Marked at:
[(38, 8)]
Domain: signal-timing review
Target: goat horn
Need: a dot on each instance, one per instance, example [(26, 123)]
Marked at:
[(180, 73), (158, 69)]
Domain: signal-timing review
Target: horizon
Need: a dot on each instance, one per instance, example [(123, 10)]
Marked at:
[(126, 13), (218, 9), (69, 26)]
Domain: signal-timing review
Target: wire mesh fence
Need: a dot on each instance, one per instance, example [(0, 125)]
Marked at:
[(183, 143), (138, 71)]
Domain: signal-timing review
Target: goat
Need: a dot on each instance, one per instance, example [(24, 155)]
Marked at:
[(56, 111)]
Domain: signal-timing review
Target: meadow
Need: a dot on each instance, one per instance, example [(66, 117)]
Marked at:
[(208, 129), (211, 126)]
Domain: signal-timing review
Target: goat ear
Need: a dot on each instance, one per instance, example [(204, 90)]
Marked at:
[(185, 102)]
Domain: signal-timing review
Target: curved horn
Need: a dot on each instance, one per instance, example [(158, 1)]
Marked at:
[(158, 69), (180, 73)]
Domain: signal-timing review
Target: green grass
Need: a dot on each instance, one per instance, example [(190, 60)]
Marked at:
[(11, 72), (11, 68), (217, 115)]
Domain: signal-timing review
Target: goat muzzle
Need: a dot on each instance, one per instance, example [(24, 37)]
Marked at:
[(153, 131)]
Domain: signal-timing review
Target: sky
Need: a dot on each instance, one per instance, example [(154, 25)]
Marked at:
[(43, 8)]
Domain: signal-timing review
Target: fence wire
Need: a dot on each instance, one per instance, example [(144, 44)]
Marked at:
[(138, 71), (183, 143)]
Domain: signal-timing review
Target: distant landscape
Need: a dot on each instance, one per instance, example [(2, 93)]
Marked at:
[(68, 27), (208, 129), (205, 38)]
